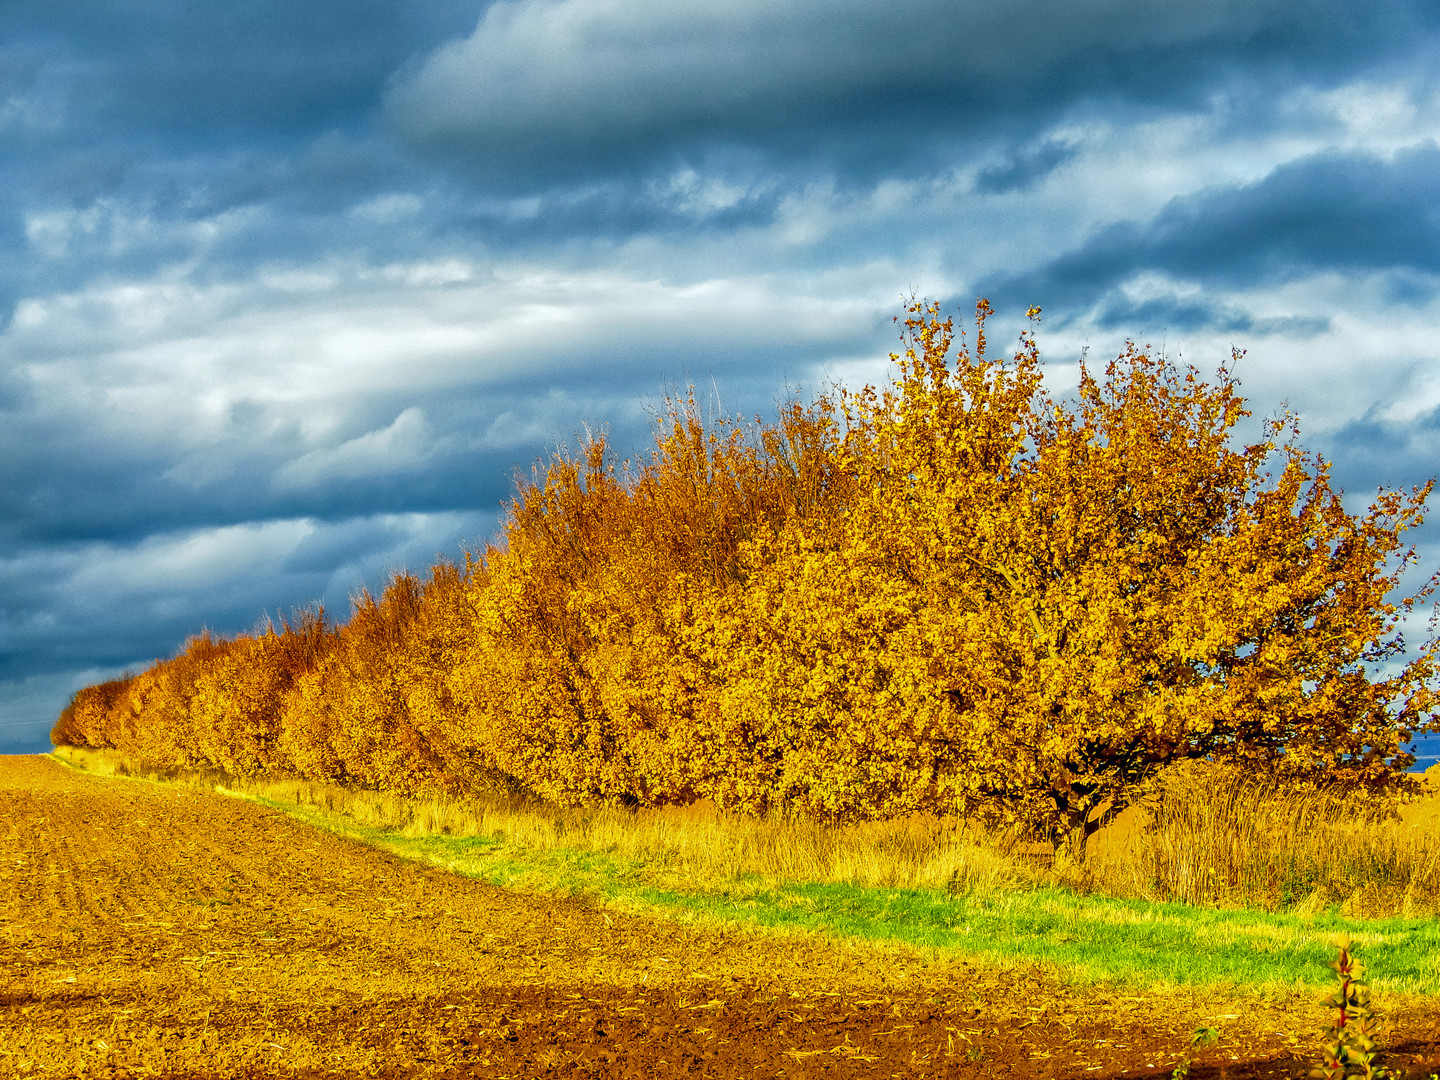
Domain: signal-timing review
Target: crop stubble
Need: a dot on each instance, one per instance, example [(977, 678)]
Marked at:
[(166, 931)]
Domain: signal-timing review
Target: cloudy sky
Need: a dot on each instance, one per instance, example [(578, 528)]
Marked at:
[(289, 290)]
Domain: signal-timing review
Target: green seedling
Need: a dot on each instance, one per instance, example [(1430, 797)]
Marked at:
[(1350, 1046), (1205, 1036)]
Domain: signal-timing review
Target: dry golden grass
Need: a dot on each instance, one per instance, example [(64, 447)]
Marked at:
[(695, 842), (706, 847), (1199, 839), (1243, 843)]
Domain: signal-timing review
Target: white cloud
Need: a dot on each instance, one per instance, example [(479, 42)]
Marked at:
[(402, 447), (687, 191), (114, 228), (1367, 115), (390, 208), (49, 232), (169, 360), (174, 565)]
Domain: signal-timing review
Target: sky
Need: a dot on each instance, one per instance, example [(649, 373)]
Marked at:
[(289, 292)]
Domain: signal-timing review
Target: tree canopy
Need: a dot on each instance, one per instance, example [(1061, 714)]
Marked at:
[(958, 593)]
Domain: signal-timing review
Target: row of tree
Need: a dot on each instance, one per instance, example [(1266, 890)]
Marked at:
[(956, 593)]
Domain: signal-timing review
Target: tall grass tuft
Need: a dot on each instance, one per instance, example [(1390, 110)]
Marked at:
[(697, 844), (1235, 842)]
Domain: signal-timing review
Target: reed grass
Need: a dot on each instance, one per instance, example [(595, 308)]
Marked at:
[(1245, 843)]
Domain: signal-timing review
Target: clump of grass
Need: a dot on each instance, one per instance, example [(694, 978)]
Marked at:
[(1231, 841), (104, 762)]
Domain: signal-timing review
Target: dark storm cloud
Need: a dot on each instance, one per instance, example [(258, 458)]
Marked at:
[(1331, 211), (119, 491), (76, 613), (1023, 168), (226, 215), (1180, 314), (545, 91), (165, 113), (1368, 453), (207, 73)]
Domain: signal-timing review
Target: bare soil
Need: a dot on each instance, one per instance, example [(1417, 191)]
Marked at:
[(158, 931)]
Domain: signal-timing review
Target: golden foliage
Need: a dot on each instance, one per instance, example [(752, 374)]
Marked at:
[(360, 713), (954, 594)]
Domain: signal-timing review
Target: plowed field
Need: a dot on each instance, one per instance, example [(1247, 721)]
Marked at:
[(162, 931)]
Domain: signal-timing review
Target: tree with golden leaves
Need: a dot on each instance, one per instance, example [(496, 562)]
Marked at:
[(1060, 596)]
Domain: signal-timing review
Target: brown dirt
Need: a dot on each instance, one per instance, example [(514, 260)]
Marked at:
[(148, 930)]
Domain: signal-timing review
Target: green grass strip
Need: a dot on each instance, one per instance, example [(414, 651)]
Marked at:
[(1084, 938), (1095, 938)]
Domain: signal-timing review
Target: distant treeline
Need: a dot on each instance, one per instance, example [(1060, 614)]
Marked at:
[(955, 593)]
